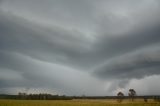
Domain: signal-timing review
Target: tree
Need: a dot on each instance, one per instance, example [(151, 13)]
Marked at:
[(132, 94), (120, 96), (22, 95), (145, 99)]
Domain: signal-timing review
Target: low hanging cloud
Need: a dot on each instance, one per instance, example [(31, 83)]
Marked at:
[(76, 47), (138, 64)]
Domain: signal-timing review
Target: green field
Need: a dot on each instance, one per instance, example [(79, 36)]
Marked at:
[(82, 102)]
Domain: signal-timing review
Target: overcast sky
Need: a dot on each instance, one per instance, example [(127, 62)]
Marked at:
[(80, 47)]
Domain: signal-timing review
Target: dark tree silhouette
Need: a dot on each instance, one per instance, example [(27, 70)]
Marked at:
[(120, 96), (145, 99), (132, 94)]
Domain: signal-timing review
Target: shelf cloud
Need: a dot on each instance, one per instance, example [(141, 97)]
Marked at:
[(78, 47)]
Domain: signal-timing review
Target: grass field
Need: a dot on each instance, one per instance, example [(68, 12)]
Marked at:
[(76, 103)]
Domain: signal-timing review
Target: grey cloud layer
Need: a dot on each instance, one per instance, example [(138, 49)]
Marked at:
[(62, 44)]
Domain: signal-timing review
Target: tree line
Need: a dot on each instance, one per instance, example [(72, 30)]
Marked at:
[(132, 95), (44, 96), (40, 96)]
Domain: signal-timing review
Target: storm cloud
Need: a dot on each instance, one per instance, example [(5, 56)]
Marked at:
[(77, 47)]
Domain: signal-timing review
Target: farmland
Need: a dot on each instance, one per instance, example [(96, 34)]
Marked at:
[(78, 102)]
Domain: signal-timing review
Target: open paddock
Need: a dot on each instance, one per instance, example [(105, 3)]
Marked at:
[(79, 102)]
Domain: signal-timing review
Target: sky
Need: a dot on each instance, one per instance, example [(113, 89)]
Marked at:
[(80, 47)]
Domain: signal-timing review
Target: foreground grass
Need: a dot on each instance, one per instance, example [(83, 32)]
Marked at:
[(75, 103)]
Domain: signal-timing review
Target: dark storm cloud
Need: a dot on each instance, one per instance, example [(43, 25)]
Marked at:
[(58, 44), (122, 62), (109, 47), (62, 44), (37, 60), (132, 65)]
